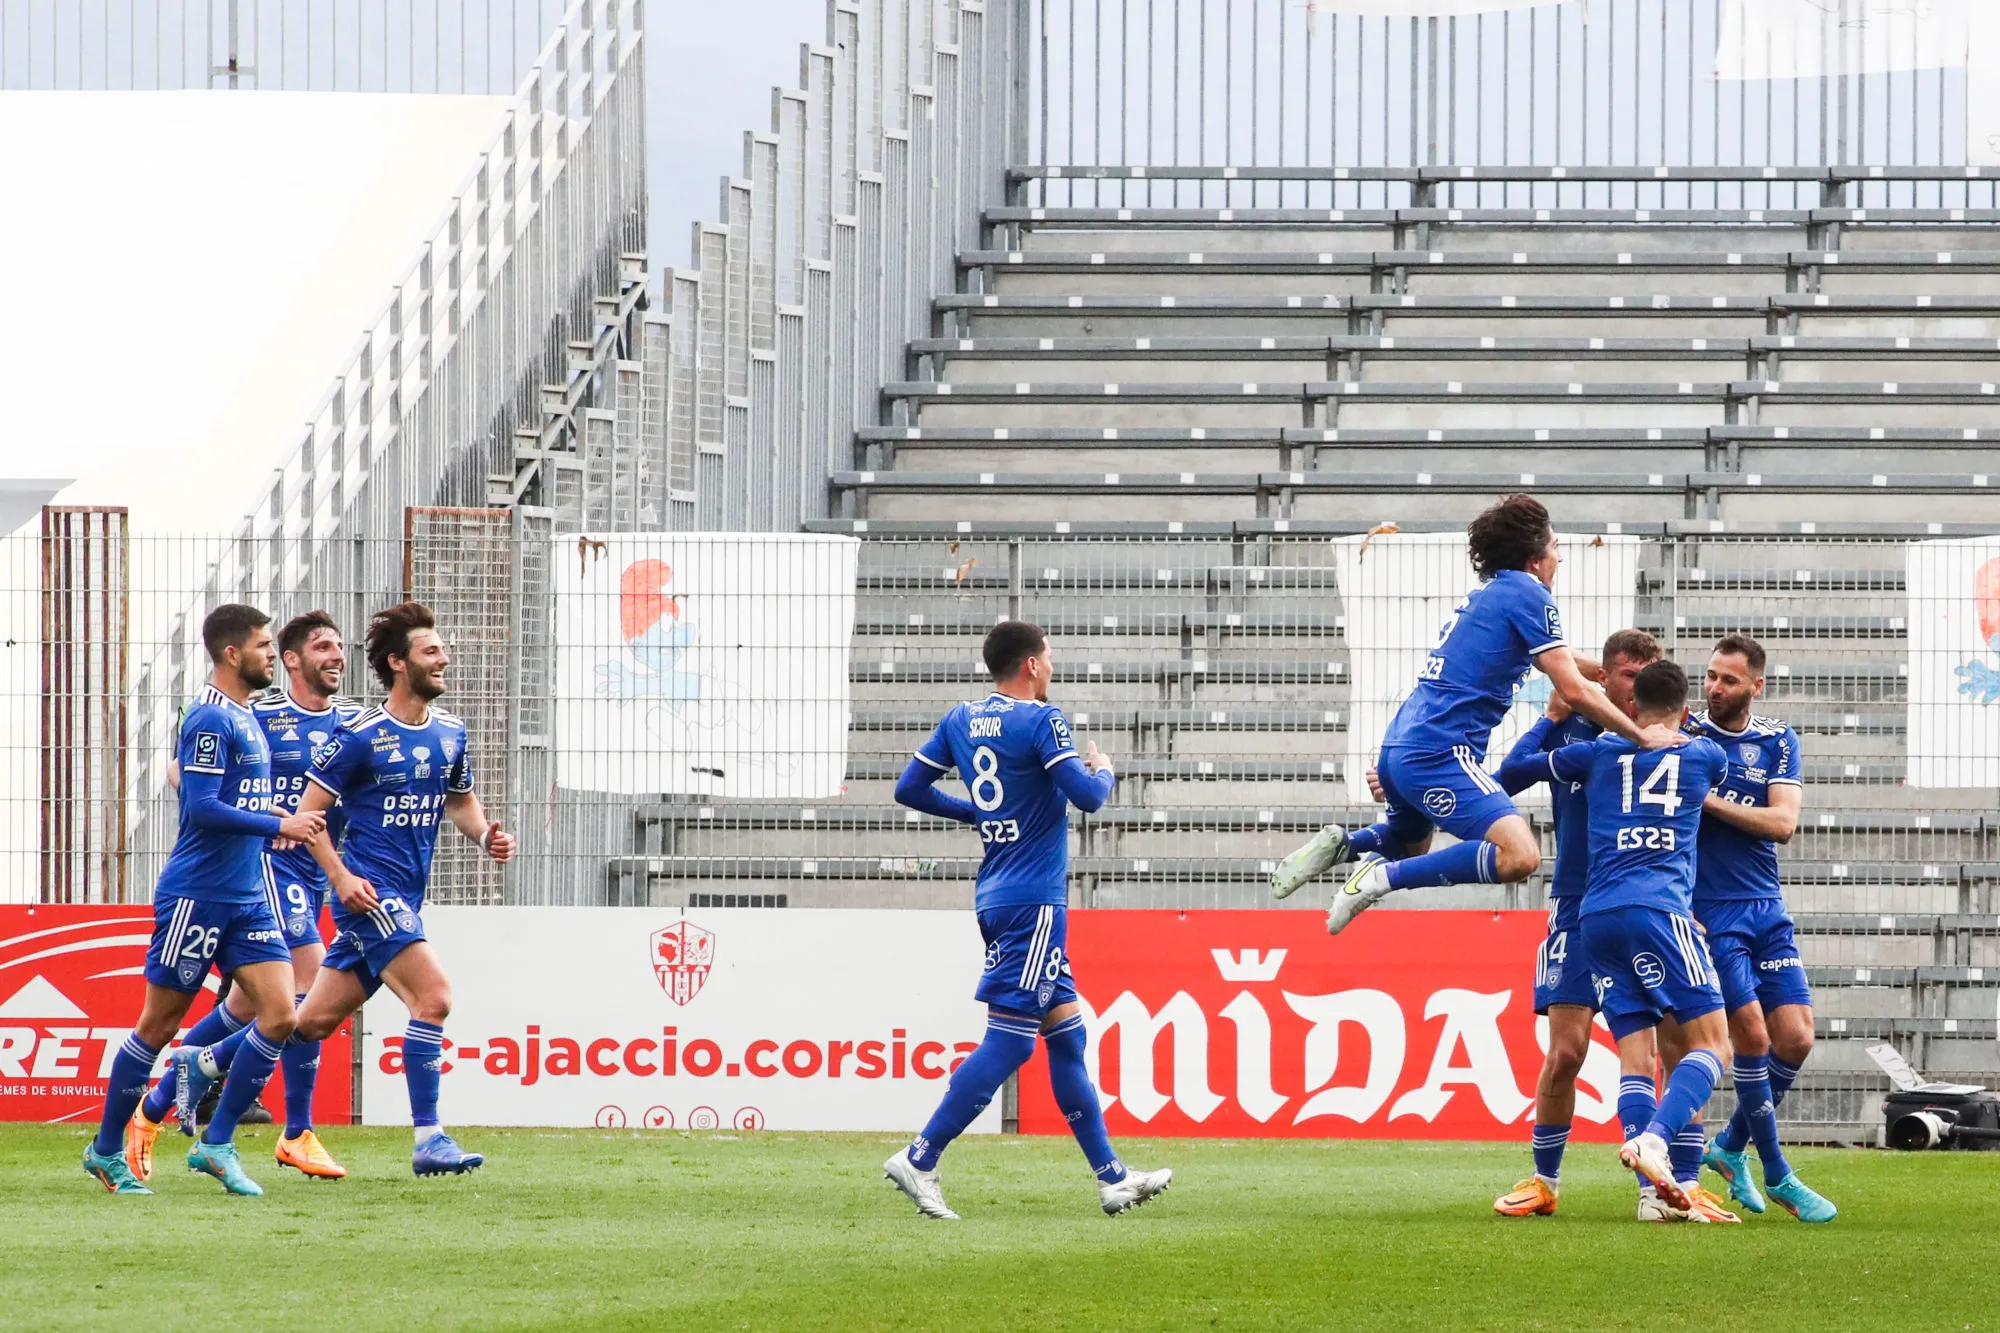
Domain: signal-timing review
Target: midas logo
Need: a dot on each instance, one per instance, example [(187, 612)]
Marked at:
[(1469, 1054)]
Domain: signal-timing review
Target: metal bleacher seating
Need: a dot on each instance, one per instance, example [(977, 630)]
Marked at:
[(1139, 427)]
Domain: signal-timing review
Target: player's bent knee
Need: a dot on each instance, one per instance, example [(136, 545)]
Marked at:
[(278, 1027), (432, 1008)]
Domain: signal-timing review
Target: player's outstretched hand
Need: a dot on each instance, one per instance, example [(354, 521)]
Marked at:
[(302, 827), (498, 843), (1375, 786), (1093, 758), (1660, 736), (356, 894)]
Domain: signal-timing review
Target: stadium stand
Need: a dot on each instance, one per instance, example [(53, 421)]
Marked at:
[(1139, 427)]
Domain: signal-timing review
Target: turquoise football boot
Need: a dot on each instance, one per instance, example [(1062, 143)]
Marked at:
[(1801, 1201), (220, 1160), (111, 1172), (1734, 1167)]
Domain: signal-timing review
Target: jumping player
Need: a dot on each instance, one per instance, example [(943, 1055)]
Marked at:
[(1563, 990), (212, 906), (297, 717), (1432, 755), (1739, 902), (394, 769), (1023, 772), (1648, 962)]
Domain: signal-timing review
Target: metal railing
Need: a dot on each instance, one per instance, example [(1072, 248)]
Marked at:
[(404, 46), (1279, 84), (428, 409), (844, 225)]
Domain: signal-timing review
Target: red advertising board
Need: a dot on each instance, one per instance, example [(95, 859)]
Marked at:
[(71, 984), (1409, 1024)]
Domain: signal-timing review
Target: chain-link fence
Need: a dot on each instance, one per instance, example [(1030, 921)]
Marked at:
[(1238, 679)]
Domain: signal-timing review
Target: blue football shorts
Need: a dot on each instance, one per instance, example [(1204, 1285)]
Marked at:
[(1562, 965), (298, 903), (1027, 959), (1755, 954), (1649, 963), (366, 942), (1448, 791), (191, 935)]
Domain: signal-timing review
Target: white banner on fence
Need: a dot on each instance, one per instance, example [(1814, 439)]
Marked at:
[(703, 665), (1396, 590), (616, 1017), (1807, 39), (1954, 720)]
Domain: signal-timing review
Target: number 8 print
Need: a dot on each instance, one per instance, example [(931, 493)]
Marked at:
[(986, 788)]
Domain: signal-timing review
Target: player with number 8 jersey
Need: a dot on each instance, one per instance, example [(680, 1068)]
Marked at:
[(1022, 771)]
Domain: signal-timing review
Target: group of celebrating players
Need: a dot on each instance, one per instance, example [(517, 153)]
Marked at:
[(290, 795), (1666, 916)]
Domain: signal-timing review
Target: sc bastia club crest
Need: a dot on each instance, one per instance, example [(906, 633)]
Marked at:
[(1751, 754), (683, 953)]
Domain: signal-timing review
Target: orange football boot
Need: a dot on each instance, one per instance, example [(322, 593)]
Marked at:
[(1533, 1197), (139, 1136), (308, 1155), (1708, 1208)]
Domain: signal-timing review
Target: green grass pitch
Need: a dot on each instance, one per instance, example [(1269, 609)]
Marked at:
[(616, 1229)]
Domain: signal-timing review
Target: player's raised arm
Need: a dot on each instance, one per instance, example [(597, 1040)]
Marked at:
[(1775, 821), (1559, 665), (1527, 762), (1085, 783)]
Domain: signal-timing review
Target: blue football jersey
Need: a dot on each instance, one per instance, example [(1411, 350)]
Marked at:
[(392, 779), (1736, 865), (1005, 749), (1569, 806), (1483, 654), (221, 750), (295, 734), (1644, 813)]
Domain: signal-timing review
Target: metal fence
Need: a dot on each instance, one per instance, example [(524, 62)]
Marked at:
[(1229, 677), (403, 46), (1274, 83)]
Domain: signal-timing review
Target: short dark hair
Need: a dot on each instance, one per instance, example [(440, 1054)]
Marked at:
[(1011, 643), (300, 628), (389, 636), (1662, 685), (1752, 651), (1634, 645), (230, 626), (1508, 535)]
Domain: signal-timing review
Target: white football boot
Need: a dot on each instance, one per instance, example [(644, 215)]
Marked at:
[(921, 1187), (1652, 1208), (1368, 885), (1326, 847), (1135, 1189), (1648, 1155)]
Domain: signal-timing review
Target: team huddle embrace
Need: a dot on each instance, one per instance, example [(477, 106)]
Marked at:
[(1665, 914), (293, 799), (1665, 910)]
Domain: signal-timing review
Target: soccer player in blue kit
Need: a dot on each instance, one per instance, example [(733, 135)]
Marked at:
[(394, 770), (212, 906), (1563, 990), (1431, 763), (1739, 902), (297, 717), (1022, 771), (1648, 962)]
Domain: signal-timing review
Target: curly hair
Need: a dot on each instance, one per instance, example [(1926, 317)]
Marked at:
[(389, 636), (1509, 535)]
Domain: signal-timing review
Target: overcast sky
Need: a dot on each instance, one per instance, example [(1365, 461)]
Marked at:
[(710, 69)]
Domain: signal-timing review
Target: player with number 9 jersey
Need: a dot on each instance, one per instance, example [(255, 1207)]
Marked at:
[(296, 734)]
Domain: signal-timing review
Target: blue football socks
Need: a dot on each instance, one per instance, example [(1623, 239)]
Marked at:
[(300, 1063), (256, 1056), (130, 1069), (1010, 1040), (423, 1068), (1689, 1089), (1548, 1143), (1460, 863), (216, 1024), (1076, 1097)]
